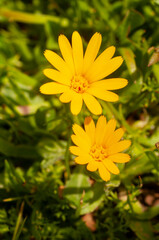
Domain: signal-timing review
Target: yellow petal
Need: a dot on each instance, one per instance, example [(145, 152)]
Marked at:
[(77, 48), (104, 69), (81, 142), (119, 147), (119, 157), (57, 76), (103, 172), (111, 125), (92, 51), (78, 130), (76, 104), (100, 130), (111, 166), (110, 84), (75, 150), (57, 62), (103, 94), (116, 136), (90, 128), (106, 55), (53, 88), (92, 104), (92, 166), (83, 159), (66, 96), (66, 52)]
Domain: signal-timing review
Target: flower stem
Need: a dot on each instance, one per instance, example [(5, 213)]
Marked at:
[(68, 135), (111, 111), (67, 154), (114, 111)]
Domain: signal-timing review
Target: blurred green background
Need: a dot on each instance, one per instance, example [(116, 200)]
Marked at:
[(39, 198)]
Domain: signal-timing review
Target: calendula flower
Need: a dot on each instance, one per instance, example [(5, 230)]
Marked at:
[(99, 146), (80, 77)]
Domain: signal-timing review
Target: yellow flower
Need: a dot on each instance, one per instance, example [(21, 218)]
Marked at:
[(99, 146), (80, 77)]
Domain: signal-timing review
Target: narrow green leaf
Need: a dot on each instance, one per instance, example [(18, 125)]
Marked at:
[(32, 18)]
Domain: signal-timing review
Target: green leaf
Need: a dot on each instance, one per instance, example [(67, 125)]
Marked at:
[(3, 222), (79, 191), (150, 213), (138, 165), (94, 200), (11, 150), (142, 229), (129, 58), (40, 117), (22, 78), (153, 159), (132, 20), (12, 178), (19, 224), (51, 151), (133, 89), (149, 141), (4, 228), (32, 18), (77, 187), (155, 69)]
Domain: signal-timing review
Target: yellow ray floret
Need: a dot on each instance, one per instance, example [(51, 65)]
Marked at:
[(100, 146), (80, 77)]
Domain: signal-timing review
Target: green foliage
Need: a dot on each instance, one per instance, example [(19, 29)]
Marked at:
[(35, 164)]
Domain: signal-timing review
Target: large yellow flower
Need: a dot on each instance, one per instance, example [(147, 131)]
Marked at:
[(81, 78), (99, 146)]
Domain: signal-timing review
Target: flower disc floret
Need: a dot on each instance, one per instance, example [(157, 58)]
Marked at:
[(79, 84), (98, 153)]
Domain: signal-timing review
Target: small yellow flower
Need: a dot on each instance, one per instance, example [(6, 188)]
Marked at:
[(99, 146), (80, 77)]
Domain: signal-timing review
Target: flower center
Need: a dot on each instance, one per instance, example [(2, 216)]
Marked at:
[(98, 153), (79, 84)]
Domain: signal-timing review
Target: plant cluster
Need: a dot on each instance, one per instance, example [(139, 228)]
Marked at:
[(44, 193)]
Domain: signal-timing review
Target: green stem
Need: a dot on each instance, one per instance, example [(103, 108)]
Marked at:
[(69, 131), (76, 120), (124, 122), (114, 111), (67, 152), (107, 110), (111, 111)]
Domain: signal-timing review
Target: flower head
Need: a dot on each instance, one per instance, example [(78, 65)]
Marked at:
[(81, 77), (99, 146)]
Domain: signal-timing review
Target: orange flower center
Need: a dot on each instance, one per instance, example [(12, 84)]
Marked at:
[(79, 84), (98, 153)]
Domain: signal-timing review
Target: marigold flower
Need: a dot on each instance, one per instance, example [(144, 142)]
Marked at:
[(99, 146), (80, 77)]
